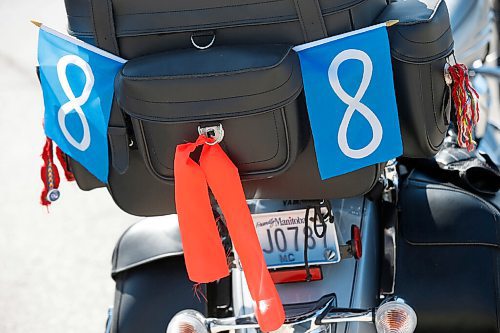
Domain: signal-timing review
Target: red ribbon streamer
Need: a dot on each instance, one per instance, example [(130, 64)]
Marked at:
[(49, 173), (203, 251)]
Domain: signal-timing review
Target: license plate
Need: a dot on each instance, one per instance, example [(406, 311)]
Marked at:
[(282, 237)]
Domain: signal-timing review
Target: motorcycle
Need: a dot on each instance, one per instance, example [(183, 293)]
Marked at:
[(360, 284)]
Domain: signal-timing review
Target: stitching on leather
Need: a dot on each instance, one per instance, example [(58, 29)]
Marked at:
[(203, 9), (351, 21), (277, 140), (199, 75), (437, 186), (419, 60), (339, 8), (432, 97), (94, 33), (217, 25), (422, 103), (247, 112), (427, 42), (159, 161), (166, 29), (150, 260), (170, 180), (319, 14), (270, 19), (441, 108), (471, 244), (111, 26), (301, 20), (211, 100)]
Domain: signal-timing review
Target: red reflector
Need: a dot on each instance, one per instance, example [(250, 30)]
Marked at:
[(296, 275), (357, 248)]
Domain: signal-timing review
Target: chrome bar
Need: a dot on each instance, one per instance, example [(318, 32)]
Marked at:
[(343, 317), (324, 316), (109, 321), (216, 325), (488, 71)]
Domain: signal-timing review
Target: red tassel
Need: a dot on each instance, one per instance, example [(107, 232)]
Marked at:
[(49, 175), (62, 160), (465, 99)]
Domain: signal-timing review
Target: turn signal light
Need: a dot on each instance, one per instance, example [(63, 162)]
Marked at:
[(395, 317), (187, 321)]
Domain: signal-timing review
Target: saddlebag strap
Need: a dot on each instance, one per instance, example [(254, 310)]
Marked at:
[(118, 144), (105, 38), (104, 25), (311, 19)]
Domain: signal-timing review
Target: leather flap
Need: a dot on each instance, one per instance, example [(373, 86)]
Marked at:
[(423, 33), (205, 85), (134, 18), (146, 241), (434, 213)]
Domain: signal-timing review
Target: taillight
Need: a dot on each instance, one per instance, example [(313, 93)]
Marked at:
[(296, 275), (357, 248)]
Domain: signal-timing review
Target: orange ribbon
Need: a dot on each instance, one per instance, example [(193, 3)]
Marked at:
[(203, 251)]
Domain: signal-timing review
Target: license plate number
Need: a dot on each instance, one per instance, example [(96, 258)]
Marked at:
[(282, 237)]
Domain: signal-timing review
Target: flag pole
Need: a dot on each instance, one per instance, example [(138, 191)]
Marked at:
[(78, 42), (391, 23), (38, 24)]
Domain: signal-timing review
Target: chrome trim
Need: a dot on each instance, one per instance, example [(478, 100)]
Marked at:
[(366, 316), (324, 315), (109, 321), (488, 71), (199, 47), (215, 132)]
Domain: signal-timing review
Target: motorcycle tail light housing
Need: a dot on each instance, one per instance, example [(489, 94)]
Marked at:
[(187, 321), (395, 317)]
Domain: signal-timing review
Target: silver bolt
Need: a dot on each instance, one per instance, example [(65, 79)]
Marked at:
[(330, 254)]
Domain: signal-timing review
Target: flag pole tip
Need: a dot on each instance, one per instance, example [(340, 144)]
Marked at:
[(391, 23), (38, 24)]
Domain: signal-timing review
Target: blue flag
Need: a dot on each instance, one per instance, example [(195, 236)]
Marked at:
[(350, 99), (77, 81)]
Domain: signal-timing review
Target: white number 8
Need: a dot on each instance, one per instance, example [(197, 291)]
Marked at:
[(354, 104), (75, 103)]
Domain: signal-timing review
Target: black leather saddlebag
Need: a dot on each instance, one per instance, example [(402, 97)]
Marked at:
[(248, 80), (251, 91), (448, 257), (420, 45), (151, 26)]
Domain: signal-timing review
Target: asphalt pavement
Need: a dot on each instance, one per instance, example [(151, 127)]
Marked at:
[(54, 267)]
